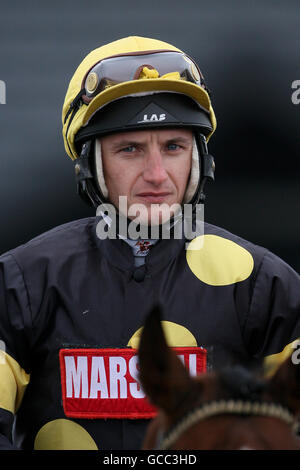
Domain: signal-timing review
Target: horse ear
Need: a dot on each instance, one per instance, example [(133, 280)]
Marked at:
[(284, 385), (163, 377)]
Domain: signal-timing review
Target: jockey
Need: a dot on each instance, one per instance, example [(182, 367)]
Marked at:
[(137, 119)]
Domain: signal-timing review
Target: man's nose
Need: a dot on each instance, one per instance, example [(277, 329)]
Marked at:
[(154, 171)]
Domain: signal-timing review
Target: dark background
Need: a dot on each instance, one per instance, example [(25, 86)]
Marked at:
[(249, 54)]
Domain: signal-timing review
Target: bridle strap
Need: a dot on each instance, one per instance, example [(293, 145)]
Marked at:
[(238, 407)]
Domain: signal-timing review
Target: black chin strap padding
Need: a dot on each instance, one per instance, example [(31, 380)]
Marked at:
[(207, 160), (84, 177), (82, 165), (89, 194), (208, 166)]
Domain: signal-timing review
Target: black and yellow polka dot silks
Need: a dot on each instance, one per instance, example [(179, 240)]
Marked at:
[(67, 288)]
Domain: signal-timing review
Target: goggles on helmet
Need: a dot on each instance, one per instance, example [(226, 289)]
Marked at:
[(127, 67)]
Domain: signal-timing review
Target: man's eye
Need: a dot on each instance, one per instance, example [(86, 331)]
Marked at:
[(129, 149), (173, 146)]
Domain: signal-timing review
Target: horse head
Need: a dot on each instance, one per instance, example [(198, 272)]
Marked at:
[(232, 408)]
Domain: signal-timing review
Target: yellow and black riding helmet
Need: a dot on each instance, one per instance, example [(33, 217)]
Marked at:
[(131, 84)]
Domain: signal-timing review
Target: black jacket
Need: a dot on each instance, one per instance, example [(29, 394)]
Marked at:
[(68, 289)]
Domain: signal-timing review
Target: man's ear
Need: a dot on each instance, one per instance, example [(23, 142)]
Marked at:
[(163, 377), (284, 386)]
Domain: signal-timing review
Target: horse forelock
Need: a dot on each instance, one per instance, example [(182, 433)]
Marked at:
[(238, 382)]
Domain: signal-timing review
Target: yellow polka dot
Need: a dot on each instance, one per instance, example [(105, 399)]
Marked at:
[(63, 434), (218, 261), (274, 361), (176, 336)]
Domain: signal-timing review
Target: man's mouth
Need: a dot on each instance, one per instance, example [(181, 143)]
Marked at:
[(154, 197)]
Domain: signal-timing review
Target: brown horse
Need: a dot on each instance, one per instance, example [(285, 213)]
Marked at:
[(229, 409)]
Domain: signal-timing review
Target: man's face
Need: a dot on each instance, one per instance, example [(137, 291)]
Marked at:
[(149, 167)]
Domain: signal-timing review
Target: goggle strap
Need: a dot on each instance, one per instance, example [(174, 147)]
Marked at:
[(75, 103), (74, 106)]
